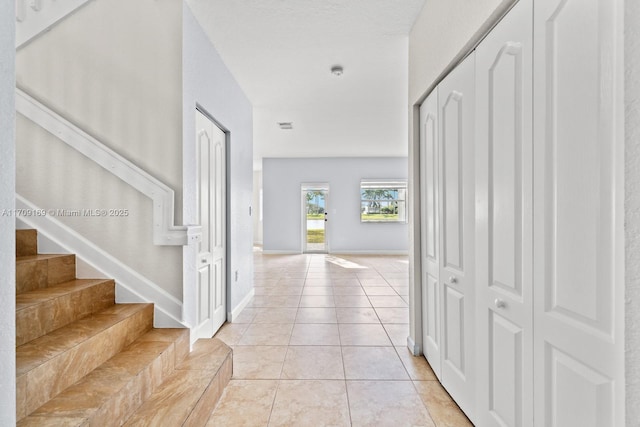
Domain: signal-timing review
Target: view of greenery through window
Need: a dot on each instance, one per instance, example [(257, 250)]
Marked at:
[(315, 204), (383, 201)]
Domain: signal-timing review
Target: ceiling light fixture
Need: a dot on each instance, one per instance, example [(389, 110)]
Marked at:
[(285, 125), (337, 70)]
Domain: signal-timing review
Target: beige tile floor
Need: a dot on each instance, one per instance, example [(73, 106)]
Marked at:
[(323, 342)]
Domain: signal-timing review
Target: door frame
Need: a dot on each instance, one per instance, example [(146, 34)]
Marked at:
[(304, 188)]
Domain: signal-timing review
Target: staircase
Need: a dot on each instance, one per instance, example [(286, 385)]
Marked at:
[(83, 360)]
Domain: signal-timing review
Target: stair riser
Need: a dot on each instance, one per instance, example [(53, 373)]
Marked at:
[(26, 242), (39, 274), (53, 376), (209, 400), (128, 400), (38, 320)]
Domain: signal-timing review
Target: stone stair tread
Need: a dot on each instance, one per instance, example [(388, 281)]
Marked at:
[(38, 296), (51, 422), (207, 354), (42, 349), (188, 395), (39, 257), (117, 383)]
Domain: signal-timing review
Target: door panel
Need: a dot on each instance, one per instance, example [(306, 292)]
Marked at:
[(577, 395), (456, 108), (578, 279), (454, 330), (451, 140), (504, 186), (211, 257), (430, 226), (506, 388)]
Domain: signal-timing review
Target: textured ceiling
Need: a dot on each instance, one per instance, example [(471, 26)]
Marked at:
[(281, 53)]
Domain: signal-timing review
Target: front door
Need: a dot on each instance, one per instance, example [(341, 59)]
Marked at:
[(211, 260), (315, 218)]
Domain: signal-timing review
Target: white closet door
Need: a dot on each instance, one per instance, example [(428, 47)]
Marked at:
[(504, 222), (456, 108), (430, 226), (578, 246), (210, 143)]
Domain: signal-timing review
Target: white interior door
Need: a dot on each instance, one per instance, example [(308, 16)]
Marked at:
[(211, 257), (456, 128), (578, 191), (504, 195), (430, 246)]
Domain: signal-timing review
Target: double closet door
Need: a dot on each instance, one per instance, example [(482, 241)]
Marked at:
[(522, 247), (447, 136), (504, 222)]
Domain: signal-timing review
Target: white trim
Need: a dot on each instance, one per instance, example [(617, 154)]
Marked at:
[(413, 347), (371, 252), (279, 252), (130, 285), (243, 304), (164, 230)]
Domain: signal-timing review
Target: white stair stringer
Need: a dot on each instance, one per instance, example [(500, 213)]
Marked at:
[(131, 286), (36, 16), (164, 230)]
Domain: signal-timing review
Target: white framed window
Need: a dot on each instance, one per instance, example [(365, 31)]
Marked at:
[(383, 200)]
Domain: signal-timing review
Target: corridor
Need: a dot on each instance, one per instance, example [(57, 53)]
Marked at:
[(324, 343)]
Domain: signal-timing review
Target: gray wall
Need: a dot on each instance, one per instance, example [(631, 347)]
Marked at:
[(208, 83), (7, 223), (282, 203)]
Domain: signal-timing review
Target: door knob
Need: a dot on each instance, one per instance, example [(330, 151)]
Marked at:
[(453, 279), (500, 303)]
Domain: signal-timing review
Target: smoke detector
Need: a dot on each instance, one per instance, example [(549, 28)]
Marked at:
[(337, 70), (285, 125)]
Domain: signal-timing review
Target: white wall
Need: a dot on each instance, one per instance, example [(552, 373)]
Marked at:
[(282, 179), (7, 222), (208, 83), (113, 68), (632, 208)]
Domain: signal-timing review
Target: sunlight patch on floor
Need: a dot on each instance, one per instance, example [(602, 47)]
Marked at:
[(341, 262)]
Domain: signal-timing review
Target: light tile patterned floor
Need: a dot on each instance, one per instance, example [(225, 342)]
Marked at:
[(324, 343)]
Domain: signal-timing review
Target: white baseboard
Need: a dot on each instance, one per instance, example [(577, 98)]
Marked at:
[(278, 252), (243, 304), (370, 252), (413, 347)]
